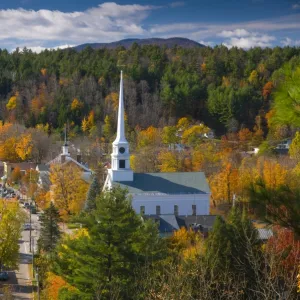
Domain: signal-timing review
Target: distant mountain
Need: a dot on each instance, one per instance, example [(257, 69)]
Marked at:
[(127, 43)]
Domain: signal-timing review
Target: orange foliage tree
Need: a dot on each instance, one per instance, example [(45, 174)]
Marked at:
[(149, 137), (267, 90), (285, 247)]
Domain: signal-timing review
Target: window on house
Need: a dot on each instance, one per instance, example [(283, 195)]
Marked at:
[(142, 210), (176, 210), (158, 210), (194, 210), (122, 164)]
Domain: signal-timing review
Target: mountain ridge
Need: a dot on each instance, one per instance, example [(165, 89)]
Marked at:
[(127, 43)]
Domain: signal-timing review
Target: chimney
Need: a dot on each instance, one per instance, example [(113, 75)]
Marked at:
[(78, 157)]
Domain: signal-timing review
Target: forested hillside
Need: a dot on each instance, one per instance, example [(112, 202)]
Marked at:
[(227, 89)]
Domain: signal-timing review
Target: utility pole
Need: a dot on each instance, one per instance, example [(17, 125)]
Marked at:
[(32, 240), (30, 212)]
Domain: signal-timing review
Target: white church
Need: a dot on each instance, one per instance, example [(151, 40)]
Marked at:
[(177, 194)]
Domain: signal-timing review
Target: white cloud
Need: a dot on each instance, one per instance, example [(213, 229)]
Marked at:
[(201, 30), (236, 32), (244, 39), (177, 4), (207, 43), (39, 49), (250, 41), (289, 42), (296, 6), (107, 22)]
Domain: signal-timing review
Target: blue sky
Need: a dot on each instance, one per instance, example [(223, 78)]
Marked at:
[(39, 24)]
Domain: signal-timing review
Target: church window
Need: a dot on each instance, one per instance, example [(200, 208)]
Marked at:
[(194, 210), (142, 210), (176, 210), (122, 164), (158, 210)]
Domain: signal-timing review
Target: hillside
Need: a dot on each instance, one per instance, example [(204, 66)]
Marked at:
[(127, 43)]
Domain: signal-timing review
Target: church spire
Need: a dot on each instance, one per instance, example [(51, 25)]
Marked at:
[(121, 124), (65, 148), (120, 157)]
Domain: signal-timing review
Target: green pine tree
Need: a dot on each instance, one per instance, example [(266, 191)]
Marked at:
[(108, 262), (50, 232), (93, 192)]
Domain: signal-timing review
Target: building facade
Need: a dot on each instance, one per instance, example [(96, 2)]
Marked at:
[(178, 193)]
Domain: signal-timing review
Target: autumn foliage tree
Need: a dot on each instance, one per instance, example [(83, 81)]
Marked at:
[(68, 188)]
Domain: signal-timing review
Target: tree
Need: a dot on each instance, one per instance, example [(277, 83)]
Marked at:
[(109, 257), (69, 189), (286, 97), (224, 184), (11, 221), (92, 194), (108, 128), (274, 174), (50, 232), (279, 205), (294, 149), (24, 146)]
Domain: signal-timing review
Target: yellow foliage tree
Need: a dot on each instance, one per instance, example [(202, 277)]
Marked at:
[(274, 174), (88, 124), (187, 243), (183, 123), (76, 104), (193, 134), (68, 188), (8, 150), (112, 100), (44, 71), (149, 137), (24, 146), (224, 184), (253, 78), (12, 103), (170, 161)]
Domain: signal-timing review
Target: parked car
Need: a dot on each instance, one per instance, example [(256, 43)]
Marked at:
[(3, 276), (26, 204), (27, 226)]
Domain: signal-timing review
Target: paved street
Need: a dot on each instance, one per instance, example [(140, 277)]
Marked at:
[(20, 280)]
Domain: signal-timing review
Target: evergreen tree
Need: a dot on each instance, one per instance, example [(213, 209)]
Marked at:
[(50, 232), (108, 260), (93, 192)]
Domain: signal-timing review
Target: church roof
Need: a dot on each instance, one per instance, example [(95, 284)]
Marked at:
[(167, 183)]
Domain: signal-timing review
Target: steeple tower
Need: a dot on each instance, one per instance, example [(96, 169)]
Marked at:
[(65, 147), (120, 166)]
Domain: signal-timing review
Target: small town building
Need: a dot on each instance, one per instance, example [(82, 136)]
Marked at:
[(178, 193)]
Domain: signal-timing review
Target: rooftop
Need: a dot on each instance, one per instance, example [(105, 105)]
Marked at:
[(167, 183)]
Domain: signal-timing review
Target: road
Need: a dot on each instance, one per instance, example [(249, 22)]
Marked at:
[(20, 280)]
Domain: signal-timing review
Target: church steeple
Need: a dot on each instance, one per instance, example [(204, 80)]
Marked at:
[(121, 125), (120, 165), (65, 147)]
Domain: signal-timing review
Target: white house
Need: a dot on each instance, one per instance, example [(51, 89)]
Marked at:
[(183, 193)]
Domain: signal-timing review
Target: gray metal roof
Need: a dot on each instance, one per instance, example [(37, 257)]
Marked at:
[(264, 233), (167, 183), (170, 223)]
